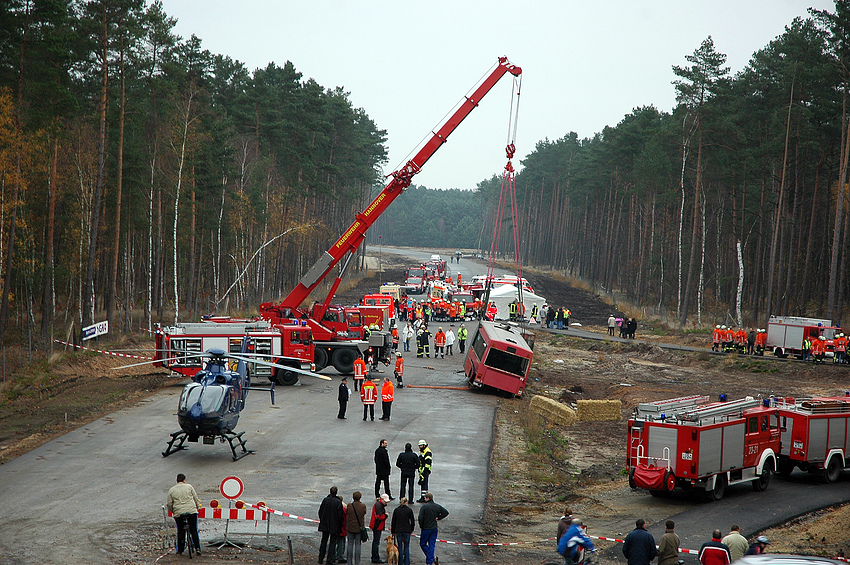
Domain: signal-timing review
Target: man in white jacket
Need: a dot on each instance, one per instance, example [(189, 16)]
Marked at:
[(450, 341)]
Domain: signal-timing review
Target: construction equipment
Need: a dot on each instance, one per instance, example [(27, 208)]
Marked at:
[(337, 343)]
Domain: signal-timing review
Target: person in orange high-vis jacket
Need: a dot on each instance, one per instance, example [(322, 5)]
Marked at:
[(453, 311), (387, 396), (716, 338), (761, 341), (359, 373), (440, 344), (399, 369), (368, 395), (395, 338)]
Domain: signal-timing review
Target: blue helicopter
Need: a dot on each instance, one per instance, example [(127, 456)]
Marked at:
[(210, 405)]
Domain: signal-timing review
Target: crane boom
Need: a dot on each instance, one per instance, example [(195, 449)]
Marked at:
[(351, 239)]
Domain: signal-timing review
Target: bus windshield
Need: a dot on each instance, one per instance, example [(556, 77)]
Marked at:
[(507, 362)]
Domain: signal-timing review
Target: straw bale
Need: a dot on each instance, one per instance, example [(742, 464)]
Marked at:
[(598, 410), (553, 411)]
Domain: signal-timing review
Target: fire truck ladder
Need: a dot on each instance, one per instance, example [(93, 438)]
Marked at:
[(823, 405), (718, 411), (668, 408)]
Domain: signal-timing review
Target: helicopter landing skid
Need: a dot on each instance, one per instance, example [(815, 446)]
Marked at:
[(233, 440), (231, 437), (180, 436)]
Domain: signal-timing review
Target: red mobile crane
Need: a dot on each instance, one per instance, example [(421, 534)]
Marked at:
[(334, 339)]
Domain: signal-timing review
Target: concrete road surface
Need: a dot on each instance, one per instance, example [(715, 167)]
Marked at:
[(88, 495)]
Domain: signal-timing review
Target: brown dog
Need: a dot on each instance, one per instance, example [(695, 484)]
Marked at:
[(392, 551)]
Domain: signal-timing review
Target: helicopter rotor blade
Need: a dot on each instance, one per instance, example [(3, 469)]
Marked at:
[(167, 359), (287, 367)]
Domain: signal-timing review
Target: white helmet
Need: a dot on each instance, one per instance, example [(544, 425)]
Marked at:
[(723, 327), (717, 327)]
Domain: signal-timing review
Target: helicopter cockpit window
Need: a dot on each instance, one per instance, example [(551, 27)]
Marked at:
[(210, 397)]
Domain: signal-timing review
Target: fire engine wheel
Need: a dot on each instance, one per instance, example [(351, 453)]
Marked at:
[(320, 358), (632, 479), (669, 481), (760, 484), (343, 360), (832, 471), (285, 377), (719, 490)]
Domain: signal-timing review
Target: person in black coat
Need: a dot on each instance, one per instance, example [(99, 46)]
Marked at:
[(382, 469), (401, 527), (331, 516), (408, 462), (639, 546), (344, 394)]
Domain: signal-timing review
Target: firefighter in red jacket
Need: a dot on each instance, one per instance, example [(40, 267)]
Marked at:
[(360, 371), (716, 338), (818, 349), (761, 341), (368, 395), (399, 369), (440, 344), (387, 397), (395, 338)]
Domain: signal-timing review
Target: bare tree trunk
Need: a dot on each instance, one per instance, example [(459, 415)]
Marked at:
[(701, 268), (88, 303), (839, 211), (186, 121), (113, 286), (48, 304), (683, 315)]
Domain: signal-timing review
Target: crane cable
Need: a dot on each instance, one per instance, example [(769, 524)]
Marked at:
[(507, 196)]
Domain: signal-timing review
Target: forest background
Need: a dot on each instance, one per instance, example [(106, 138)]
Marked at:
[(144, 179)]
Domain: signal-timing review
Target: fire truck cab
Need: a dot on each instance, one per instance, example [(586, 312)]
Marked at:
[(691, 443)]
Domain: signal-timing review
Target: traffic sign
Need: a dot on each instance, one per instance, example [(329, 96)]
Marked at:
[(231, 488), (95, 330)]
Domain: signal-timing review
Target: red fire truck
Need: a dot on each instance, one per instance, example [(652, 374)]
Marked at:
[(815, 435), (692, 443), (290, 345), (499, 357)]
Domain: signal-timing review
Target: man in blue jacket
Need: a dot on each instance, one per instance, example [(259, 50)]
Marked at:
[(573, 539), (639, 547)]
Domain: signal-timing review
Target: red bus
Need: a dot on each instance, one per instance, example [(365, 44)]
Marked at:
[(498, 358)]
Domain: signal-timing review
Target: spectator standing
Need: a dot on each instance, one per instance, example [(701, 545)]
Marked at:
[(355, 517), (387, 396), (344, 395), (737, 544), (612, 323), (382, 469), (425, 460), (183, 503), (331, 520), (639, 545), (401, 527), (408, 462), (429, 514), (406, 334), (340, 548), (751, 342), (668, 546), (714, 552), (376, 524), (759, 547), (564, 523), (450, 341), (368, 395), (632, 328)]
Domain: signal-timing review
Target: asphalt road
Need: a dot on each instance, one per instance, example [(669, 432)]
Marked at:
[(82, 497), (89, 495)]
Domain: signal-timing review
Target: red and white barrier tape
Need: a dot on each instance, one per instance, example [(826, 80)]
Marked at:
[(230, 514), (104, 352), (492, 544)]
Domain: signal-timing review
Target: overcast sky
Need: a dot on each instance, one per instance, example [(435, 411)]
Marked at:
[(585, 63)]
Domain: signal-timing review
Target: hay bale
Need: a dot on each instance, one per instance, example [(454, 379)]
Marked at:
[(552, 410), (598, 410)]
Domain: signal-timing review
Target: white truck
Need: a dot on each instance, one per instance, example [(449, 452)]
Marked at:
[(785, 334)]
